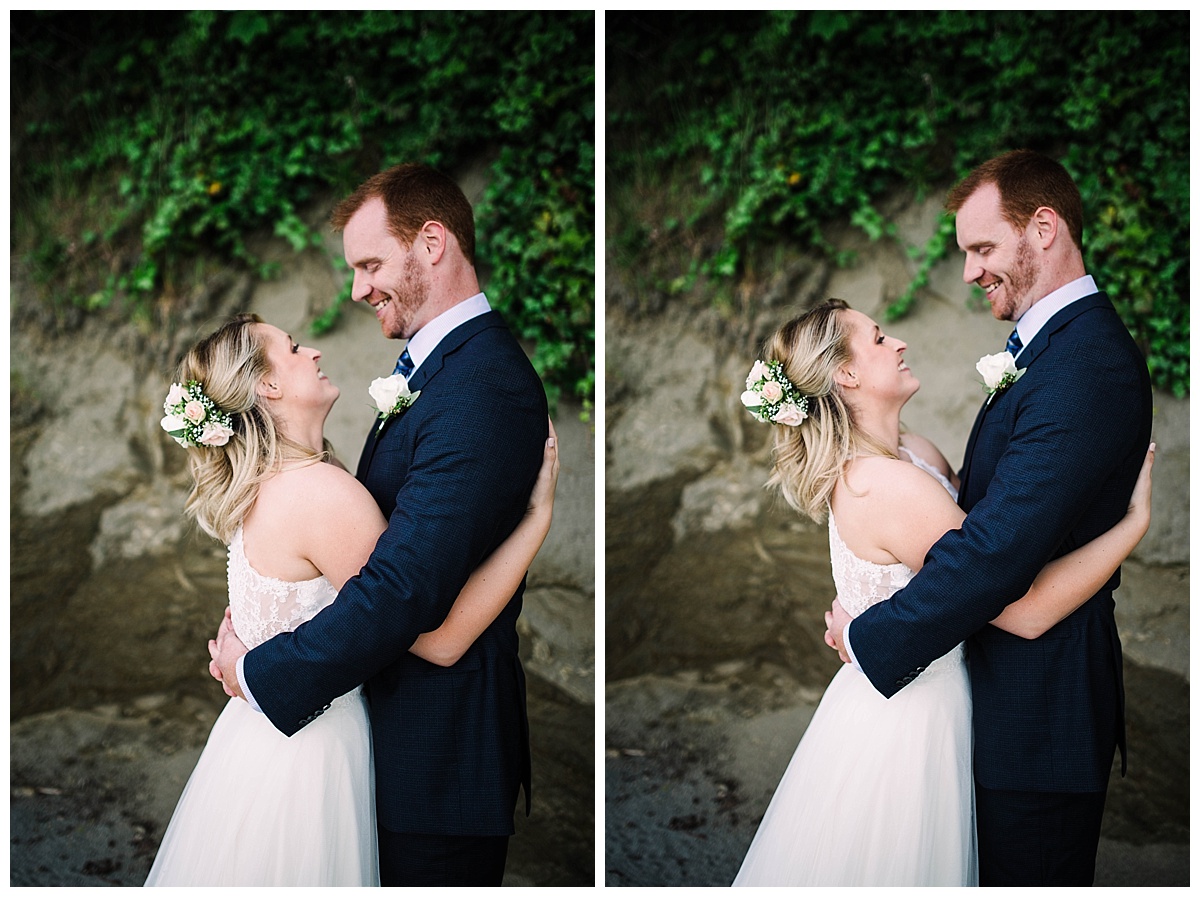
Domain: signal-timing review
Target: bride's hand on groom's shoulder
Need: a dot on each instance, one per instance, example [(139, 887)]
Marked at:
[(541, 499), (1139, 501)]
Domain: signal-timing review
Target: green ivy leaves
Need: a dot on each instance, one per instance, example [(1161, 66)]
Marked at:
[(780, 124), (207, 127)]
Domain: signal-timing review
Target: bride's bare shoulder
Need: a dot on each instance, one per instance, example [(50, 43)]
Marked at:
[(877, 487), (893, 509), (883, 477), (324, 489)]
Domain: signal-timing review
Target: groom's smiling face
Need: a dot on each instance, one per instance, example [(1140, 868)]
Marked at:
[(1000, 257), (388, 276)]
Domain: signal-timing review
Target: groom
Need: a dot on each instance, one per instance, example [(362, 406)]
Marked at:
[(1049, 465), (452, 474)]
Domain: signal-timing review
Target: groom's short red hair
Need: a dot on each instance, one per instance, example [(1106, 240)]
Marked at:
[(1026, 181), (414, 194)]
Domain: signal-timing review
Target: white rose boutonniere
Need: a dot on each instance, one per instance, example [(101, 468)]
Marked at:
[(999, 372), (391, 396)]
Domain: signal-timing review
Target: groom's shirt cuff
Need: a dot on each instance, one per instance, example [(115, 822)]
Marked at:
[(845, 644), (245, 688)]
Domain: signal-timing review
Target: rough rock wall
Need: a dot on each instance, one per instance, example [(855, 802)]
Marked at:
[(98, 492)]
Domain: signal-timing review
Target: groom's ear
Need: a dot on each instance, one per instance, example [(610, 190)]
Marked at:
[(432, 236), (1044, 225)]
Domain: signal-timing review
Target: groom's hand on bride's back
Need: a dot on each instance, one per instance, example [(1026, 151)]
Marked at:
[(225, 650), (836, 619)]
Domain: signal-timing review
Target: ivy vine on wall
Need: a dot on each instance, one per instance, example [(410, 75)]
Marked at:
[(144, 139), (776, 124)]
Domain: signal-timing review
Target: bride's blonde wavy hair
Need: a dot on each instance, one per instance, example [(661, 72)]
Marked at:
[(809, 458), (230, 364)]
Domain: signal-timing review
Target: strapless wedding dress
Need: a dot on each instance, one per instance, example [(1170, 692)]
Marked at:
[(261, 808), (879, 791)]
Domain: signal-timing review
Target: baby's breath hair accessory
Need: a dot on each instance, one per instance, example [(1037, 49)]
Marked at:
[(192, 418), (771, 397)]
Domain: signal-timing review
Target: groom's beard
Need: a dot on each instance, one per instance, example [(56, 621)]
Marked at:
[(1018, 283), (407, 298)]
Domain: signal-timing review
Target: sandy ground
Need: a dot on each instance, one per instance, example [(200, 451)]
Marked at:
[(690, 766), (92, 791)]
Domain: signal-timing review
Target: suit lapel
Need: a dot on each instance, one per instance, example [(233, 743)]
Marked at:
[(429, 368), (1027, 359), (1065, 316), (450, 343)]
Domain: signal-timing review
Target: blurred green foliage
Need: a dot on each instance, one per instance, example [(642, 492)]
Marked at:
[(780, 123), (141, 140)]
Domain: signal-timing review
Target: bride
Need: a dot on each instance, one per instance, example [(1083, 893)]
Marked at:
[(262, 808), (880, 791)]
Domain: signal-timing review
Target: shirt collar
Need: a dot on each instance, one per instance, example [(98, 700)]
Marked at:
[(1048, 306), (424, 341)]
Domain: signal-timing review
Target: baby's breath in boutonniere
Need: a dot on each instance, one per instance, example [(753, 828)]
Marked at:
[(999, 372), (391, 397)]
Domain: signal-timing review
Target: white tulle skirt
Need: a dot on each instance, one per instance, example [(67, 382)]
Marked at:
[(264, 809), (878, 792)]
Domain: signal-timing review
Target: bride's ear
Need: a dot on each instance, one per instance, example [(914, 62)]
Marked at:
[(268, 389), (845, 378)]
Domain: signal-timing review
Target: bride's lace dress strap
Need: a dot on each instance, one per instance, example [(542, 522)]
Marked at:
[(262, 606), (932, 471)]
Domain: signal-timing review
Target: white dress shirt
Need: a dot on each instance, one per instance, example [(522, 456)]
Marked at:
[(420, 346)]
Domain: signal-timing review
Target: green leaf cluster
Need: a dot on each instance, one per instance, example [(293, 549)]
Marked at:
[(185, 134), (781, 123)]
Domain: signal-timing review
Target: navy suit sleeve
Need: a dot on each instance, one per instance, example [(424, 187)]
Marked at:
[(476, 453), (1079, 423)]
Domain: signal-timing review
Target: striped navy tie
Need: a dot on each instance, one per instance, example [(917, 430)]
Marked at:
[(404, 364), (1014, 344)]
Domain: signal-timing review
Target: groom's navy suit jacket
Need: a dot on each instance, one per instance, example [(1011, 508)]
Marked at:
[(453, 475), (1050, 465)]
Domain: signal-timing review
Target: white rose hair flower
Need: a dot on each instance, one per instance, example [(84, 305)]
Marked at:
[(999, 372), (771, 397), (192, 418), (391, 396)]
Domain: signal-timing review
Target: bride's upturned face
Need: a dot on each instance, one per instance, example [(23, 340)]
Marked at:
[(877, 362), (296, 381)]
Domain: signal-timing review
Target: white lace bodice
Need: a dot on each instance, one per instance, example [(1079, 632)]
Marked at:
[(861, 583), (263, 606)]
